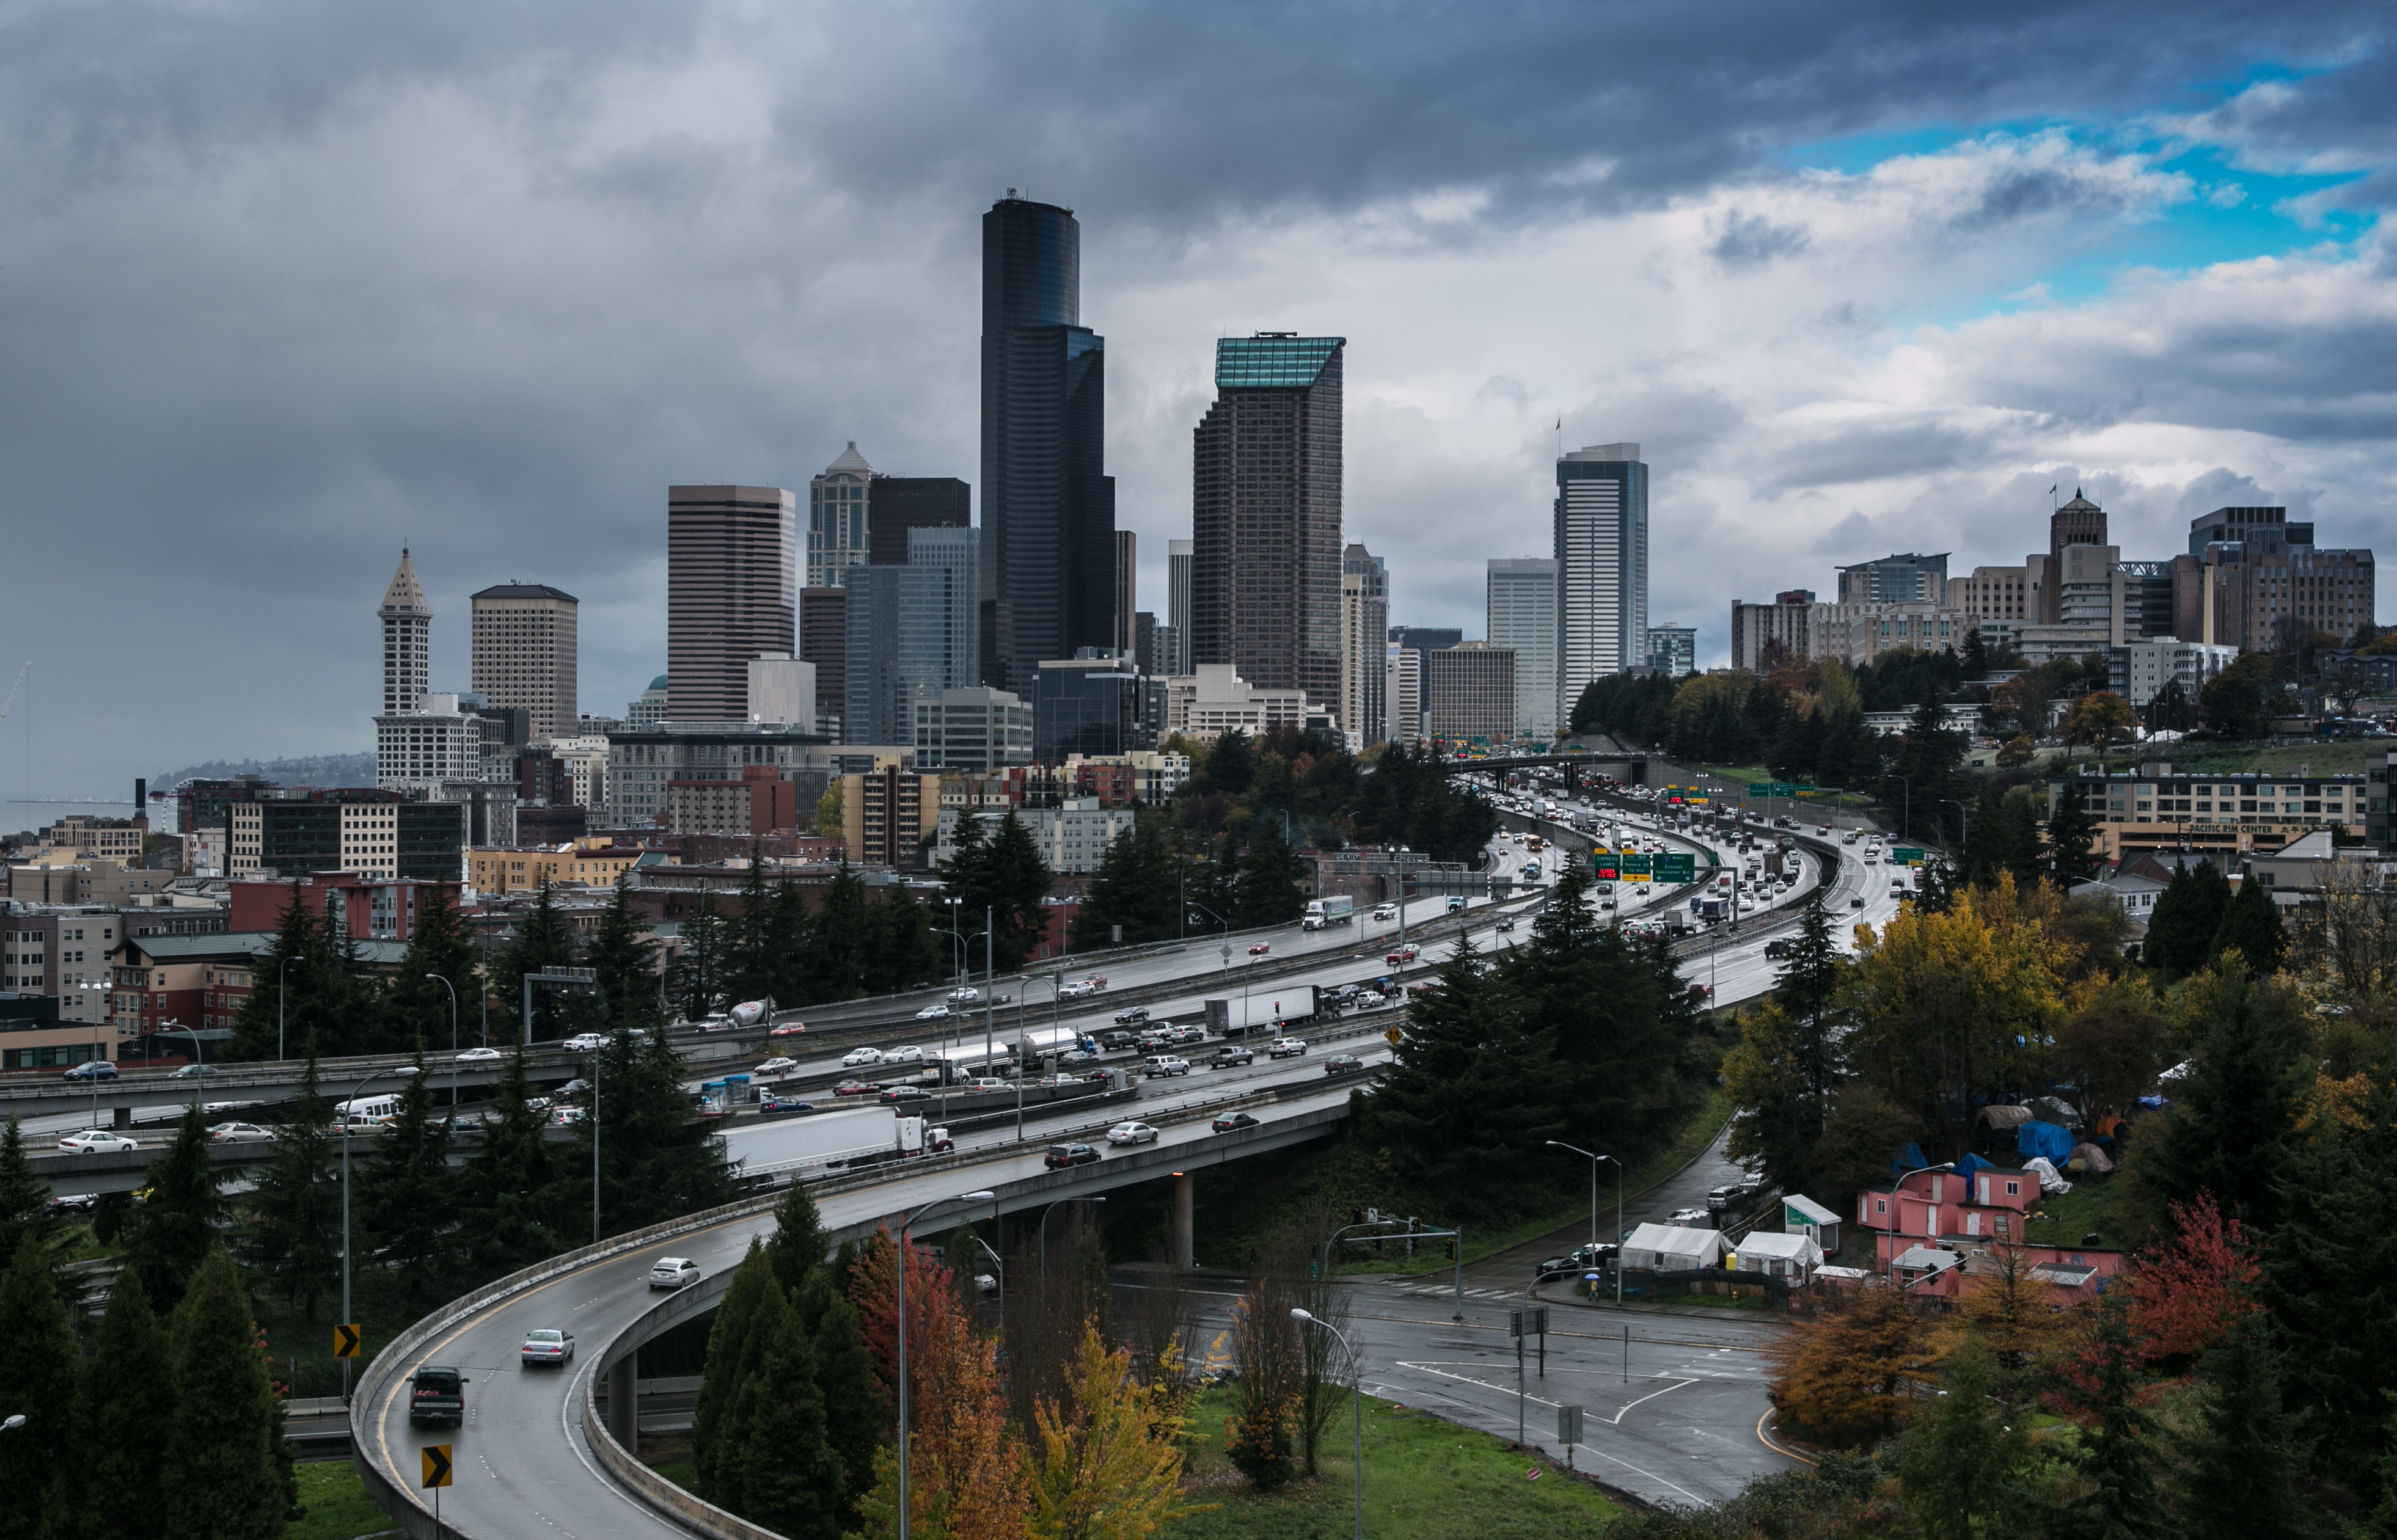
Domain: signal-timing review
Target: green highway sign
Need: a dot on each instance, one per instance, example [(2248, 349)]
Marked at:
[(1772, 788), (1635, 868), (1677, 868), (1906, 856)]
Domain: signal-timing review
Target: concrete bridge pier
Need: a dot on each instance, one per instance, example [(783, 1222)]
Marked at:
[(624, 1401), (1185, 1247)]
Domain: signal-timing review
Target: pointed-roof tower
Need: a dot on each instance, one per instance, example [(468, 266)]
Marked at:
[(407, 641)]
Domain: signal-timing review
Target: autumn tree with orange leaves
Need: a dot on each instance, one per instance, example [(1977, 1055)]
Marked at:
[(1847, 1375)]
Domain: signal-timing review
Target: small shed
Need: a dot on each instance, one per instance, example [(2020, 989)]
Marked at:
[(1803, 1215), (1672, 1248), (1920, 1262), (1794, 1257)]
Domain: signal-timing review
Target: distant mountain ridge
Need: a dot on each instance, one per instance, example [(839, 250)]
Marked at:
[(313, 769)]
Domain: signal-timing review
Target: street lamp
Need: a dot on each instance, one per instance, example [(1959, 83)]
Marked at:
[(1965, 816), (15, 1422), (95, 1053), (453, 1035), (981, 1195), (1042, 1229), (356, 1091), (1594, 1159), (1357, 1406)]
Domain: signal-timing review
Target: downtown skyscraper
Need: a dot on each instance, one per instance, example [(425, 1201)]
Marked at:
[(1047, 505), (1601, 555), (1265, 514), (731, 591)]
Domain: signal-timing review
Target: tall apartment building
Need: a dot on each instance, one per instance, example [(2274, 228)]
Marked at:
[(730, 594), (1402, 691), (839, 519), (898, 503), (1601, 553), (1522, 600), (1364, 648), (1907, 579), (1469, 692), (1266, 514), (1048, 506), (526, 653), (889, 817), (1180, 555)]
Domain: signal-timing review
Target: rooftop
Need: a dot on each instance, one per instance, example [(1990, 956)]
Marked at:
[(525, 591), (1272, 358)]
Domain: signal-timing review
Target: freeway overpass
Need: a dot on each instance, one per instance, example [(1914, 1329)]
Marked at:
[(1623, 767)]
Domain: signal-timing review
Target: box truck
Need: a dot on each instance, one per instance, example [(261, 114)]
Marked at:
[(1261, 1011), (1339, 909)]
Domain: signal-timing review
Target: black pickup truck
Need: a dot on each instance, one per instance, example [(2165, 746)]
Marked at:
[(436, 1395)]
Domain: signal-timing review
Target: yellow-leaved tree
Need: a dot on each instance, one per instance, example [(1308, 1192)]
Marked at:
[(1109, 1466)]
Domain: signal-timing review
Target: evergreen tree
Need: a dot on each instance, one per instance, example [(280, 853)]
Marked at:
[(2114, 1455), (789, 1477), (2188, 912), (1270, 881), (307, 987), (1579, 988), (416, 1010), (170, 1235), (222, 1475), (856, 1411), (799, 1246), (2071, 829), (2242, 1458), (406, 1198), (2251, 926), (1808, 988), (2234, 1116), (543, 941), (1000, 870), (1231, 763), (24, 1198), (626, 962), (507, 1216), (1957, 1460), (293, 1237), (124, 1418), (695, 981), (37, 1362), (903, 947), (733, 1352), (754, 956), (841, 962), (656, 1161), (1136, 887)]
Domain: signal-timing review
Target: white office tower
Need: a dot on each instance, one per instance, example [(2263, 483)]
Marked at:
[(407, 641), (1403, 693), (1601, 554), (1524, 615)]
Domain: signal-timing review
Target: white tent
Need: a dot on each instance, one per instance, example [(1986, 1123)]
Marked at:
[(1672, 1248), (1794, 1257)]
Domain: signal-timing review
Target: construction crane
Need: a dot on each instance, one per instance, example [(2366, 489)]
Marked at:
[(11, 701)]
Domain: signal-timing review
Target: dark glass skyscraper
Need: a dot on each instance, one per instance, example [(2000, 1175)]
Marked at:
[(1047, 505)]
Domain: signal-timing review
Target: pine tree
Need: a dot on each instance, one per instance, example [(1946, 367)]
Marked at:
[(507, 1216), (626, 961), (171, 1233), (416, 1010), (2251, 926), (791, 1478), (1135, 887), (752, 958), (798, 1247), (857, 1413), (2182, 927), (124, 1418), (2235, 1118), (733, 1352), (37, 1361), (543, 941), (2116, 1454), (905, 950), (1010, 879), (2240, 1459), (1957, 1461), (1808, 988), (293, 1234), (1270, 881), (2071, 829), (222, 1473), (24, 1198), (407, 1199), (1599, 1007), (695, 981), (309, 986), (656, 1161), (840, 963)]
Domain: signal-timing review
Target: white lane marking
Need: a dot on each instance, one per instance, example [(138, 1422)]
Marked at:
[(1617, 1418)]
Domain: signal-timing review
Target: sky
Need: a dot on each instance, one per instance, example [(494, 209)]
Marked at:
[(286, 287)]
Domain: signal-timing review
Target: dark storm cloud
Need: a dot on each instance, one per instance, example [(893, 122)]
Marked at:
[(1746, 240)]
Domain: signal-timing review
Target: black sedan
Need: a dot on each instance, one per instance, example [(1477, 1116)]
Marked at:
[(1061, 1156), (1234, 1123), (906, 1093)]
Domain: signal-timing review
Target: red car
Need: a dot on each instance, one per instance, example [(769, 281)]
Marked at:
[(857, 1087), (1404, 955), (790, 1029), (1260, 949)]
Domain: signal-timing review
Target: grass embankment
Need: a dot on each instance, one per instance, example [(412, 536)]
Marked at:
[(1423, 1477), (337, 1503), (1238, 1205), (2088, 1209)]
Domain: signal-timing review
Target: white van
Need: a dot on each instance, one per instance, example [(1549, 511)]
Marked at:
[(367, 1110)]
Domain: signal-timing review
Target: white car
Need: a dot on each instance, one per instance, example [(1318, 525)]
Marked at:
[(548, 1345), (857, 1058), (240, 1133), (1074, 991), (479, 1056), (584, 1042), (933, 1013), (964, 995), (1370, 999), (906, 1055), (774, 1067), (96, 1141), (1284, 1048), (673, 1272), (1131, 1133)]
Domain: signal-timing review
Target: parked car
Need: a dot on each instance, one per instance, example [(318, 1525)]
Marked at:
[(471, 1056), (1133, 1017), (96, 1141), (673, 1272), (548, 1345), (777, 1065), (1158, 1066), (1580, 1259), (858, 1057), (91, 1069), (1261, 948), (584, 1042), (857, 1087), (1131, 1133), (1233, 1123), (436, 1393), (241, 1133), (1342, 1063), (202, 1072), (907, 1054), (1286, 1047), (788, 1029), (933, 1013), (784, 1104), (1061, 1156)]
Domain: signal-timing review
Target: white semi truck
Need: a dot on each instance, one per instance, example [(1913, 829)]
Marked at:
[(1339, 909)]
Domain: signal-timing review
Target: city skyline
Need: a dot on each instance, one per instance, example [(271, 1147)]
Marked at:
[(1884, 317)]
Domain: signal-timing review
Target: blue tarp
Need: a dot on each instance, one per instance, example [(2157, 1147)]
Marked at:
[(1910, 1160), (1967, 1166), (2036, 1138)]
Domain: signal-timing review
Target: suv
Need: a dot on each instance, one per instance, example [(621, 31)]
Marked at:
[(1188, 1034), (1061, 1156), (1115, 1042), (92, 1069), (1228, 1055), (1285, 1048), (1158, 1065), (437, 1394)]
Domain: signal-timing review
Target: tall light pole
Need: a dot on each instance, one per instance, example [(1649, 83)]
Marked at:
[(355, 1093), (1964, 817), (1594, 1159), (453, 1040), (1042, 1229), (978, 1195), (95, 1053), (1357, 1407)]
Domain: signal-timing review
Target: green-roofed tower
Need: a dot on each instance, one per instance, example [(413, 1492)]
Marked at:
[(1265, 514)]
